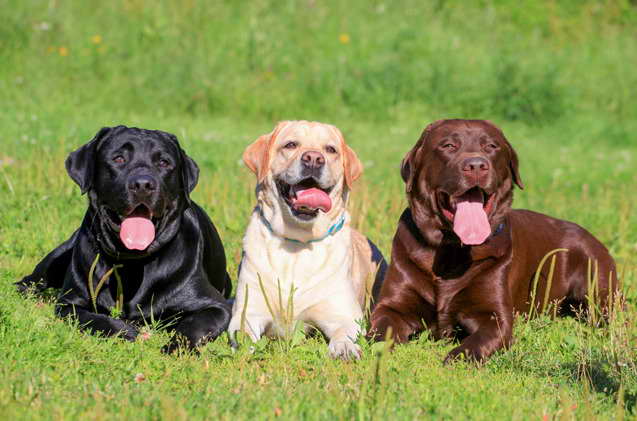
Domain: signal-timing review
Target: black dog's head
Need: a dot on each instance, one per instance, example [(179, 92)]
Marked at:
[(138, 183)]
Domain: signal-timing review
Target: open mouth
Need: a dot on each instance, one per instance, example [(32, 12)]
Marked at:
[(141, 211), (136, 228), (449, 204), (306, 198), (469, 212)]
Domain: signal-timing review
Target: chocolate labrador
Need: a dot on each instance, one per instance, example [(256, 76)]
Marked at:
[(463, 262), (145, 251)]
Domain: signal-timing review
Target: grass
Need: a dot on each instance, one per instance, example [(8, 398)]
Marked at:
[(556, 76)]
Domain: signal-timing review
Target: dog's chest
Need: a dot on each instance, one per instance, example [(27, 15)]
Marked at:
[(300, 263), (294, 264)]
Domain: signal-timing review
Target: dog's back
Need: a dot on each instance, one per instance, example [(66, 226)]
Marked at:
[(580, 260)]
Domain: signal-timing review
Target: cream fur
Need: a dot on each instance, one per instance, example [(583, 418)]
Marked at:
[(329, 277)]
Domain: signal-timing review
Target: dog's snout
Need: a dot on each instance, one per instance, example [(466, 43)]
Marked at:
[(313, 159), (143, 184), (475, 165)]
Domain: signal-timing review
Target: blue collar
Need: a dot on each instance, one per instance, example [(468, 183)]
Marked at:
[(330, 231), (498, 230)]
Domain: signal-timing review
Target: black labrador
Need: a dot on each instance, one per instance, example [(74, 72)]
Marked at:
[(145, 251)]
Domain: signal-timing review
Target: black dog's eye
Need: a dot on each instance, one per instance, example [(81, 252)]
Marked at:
[(119, 159), (164, 163), (330, 149), (291, 145)]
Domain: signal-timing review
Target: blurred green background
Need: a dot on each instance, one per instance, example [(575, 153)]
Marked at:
[(558, 76)]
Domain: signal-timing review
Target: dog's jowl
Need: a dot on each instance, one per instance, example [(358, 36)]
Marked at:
[(144, 251), (301, 260), (463, 262)]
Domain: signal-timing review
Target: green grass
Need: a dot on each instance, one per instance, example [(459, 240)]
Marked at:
[(558, 77)]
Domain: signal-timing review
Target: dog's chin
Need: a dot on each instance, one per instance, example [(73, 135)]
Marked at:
[(300, 211)]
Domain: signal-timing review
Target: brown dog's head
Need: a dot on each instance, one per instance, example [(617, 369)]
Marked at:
[(304, 173), (459, 177)]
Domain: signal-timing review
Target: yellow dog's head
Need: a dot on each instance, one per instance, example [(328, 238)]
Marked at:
[(304, 173)]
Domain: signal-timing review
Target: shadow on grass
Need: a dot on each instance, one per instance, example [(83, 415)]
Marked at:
[(601, 381)]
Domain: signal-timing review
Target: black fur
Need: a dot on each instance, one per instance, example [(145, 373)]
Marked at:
[(179, 279), (377, 257)]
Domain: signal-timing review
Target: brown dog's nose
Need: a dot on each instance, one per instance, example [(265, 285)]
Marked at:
[(313, 159), (475, 165)]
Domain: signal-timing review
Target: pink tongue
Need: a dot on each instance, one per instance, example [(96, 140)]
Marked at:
[(470, 221), (313, 199), (137, 233)]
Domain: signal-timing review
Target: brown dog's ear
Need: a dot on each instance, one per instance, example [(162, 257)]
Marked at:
[(407, 166), (514, 166), (406, 169), (513, 162), (257, 156), (353, 166)]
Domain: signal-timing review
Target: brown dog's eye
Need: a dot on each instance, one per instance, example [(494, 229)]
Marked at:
[(449, 146), (119, 159), (330, 149), (164, 163), (291, 145), (491, 146)]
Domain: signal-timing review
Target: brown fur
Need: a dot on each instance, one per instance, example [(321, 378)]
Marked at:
[(472, 292)]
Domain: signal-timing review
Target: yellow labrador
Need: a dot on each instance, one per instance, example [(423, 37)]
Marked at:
[(301, 260)]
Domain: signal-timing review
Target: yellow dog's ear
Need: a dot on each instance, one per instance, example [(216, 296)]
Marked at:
[(353, 166), (257, 156)]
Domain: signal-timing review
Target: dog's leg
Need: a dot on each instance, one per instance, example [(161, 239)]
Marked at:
[(493, 332), (50, 272), (339, 319), (97, 323), (200, 327), (251, 324), (402, 325)]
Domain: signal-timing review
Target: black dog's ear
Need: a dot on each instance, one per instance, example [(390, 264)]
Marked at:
[(188, 167), (189, 172), (80, 164)]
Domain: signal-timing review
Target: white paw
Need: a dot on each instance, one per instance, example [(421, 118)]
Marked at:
[(345, 350)]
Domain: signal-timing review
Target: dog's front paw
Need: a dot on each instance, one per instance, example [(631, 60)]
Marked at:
[(461, 352), (30, 284), (344, 350), (124, 330)]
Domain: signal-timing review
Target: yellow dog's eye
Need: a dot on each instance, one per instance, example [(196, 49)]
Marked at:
[(291, 145), (330, 149)]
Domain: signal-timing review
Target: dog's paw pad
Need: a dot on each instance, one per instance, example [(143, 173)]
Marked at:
[(345, 350)]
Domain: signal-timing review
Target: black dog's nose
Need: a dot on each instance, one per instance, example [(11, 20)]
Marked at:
[(475, 165), (313, 159), (142, 184)]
